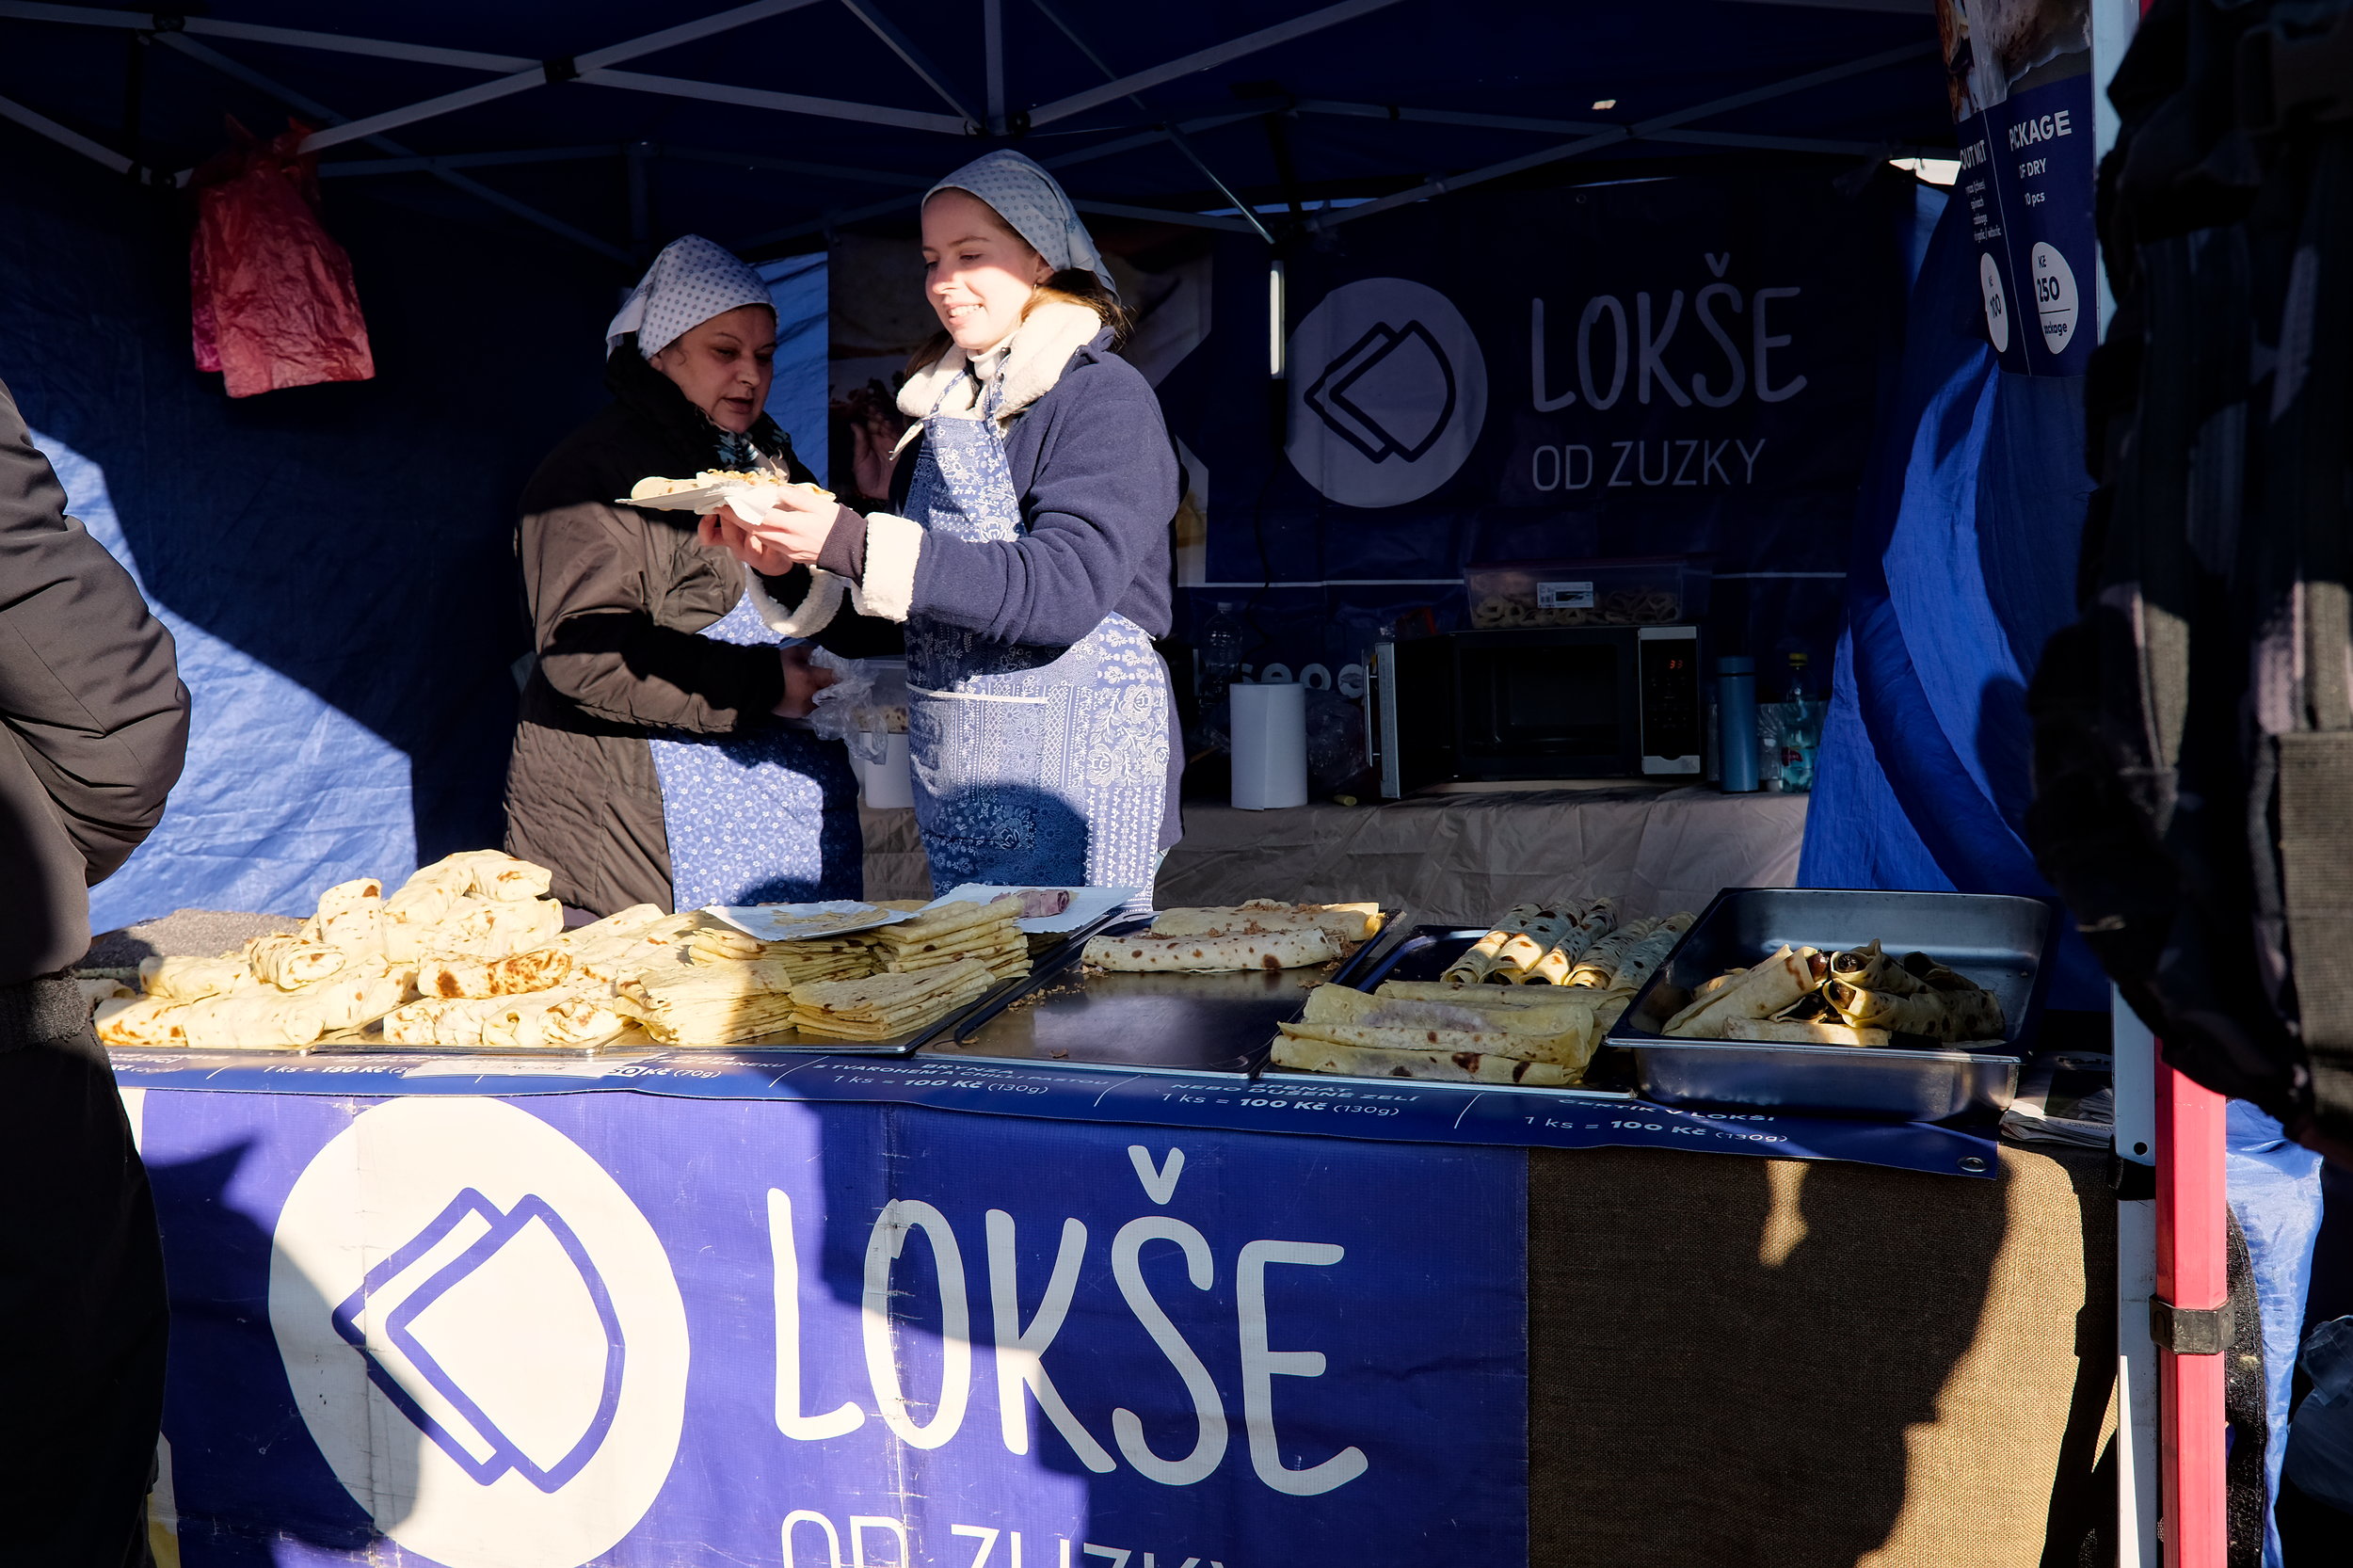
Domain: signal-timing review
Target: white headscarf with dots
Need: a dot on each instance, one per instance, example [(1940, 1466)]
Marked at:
[(1028, 198), (691, 281)]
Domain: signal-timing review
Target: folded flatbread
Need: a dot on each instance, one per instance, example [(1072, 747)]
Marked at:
[(636, 942), (1485, 998), (1790, 1031), (194, 979), (1563, 1022), (1638, 963), (1760, 993), (360, 995), (1322, 1056), (98, 988), (288, 962), (1281, 949), (1521, 951), (1491, 1042), (493, 874), (481, 927)]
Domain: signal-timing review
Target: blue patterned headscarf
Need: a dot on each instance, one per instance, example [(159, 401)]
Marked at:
[(692, 281), (1028, 198)]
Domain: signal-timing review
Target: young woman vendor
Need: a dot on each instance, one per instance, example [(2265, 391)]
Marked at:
[(656, 762), (1027, 552)]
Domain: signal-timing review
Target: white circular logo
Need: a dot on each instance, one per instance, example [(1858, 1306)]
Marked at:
[(482, 1333), (1388, 392), (2054, 295), (1996, 307)]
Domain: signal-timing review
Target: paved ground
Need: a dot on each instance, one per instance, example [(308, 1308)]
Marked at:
[(186, 933)]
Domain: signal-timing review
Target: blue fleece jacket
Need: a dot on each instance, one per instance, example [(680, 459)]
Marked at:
[(1098, 482)]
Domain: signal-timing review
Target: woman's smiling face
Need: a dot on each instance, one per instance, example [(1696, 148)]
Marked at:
[(977, 273), (725, 364)]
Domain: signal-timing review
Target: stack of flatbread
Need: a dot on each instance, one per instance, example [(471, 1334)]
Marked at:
[(1261, 934), (889, 1006), (798, 961), (1442, 1033), (952, 934)]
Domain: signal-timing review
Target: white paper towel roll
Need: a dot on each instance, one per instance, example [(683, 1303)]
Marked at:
[(1270, 732)]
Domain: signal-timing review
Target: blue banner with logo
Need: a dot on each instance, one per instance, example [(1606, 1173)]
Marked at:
[(2019, 82), (1682, 365), (636, 1331)]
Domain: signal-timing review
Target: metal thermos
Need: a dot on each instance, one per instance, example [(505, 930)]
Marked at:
[(1735, 719)]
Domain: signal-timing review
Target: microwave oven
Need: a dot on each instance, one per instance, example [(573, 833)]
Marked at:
[(1534, 702)]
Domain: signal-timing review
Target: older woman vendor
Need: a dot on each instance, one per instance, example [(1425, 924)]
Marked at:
[(656, 762)]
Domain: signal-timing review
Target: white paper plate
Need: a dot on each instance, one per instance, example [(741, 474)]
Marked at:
[(800, 923), (748, 499), (1086, 904)]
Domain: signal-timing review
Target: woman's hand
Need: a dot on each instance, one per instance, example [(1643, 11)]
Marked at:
[(722, 530), (803, 680), (795, 529)]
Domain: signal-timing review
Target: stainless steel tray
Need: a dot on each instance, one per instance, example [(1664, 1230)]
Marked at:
[(1994, 939), (1220, 1023), (1423, 953)]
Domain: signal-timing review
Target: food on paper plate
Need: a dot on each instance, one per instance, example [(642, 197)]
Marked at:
[(1040, 903), (653, 487)]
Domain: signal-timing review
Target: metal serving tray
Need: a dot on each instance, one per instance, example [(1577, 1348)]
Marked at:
[(1994, 939), (1424, 953), (1220, 1023)]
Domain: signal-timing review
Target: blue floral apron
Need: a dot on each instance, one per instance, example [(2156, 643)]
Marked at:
[(1033, 765), (765, 817)]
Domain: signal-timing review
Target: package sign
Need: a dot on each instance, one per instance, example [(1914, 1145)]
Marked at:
[(1564, 596), (635, 1332), (2019, 78)]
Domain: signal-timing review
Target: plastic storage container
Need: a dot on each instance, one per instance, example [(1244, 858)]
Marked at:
[(1660, 590)]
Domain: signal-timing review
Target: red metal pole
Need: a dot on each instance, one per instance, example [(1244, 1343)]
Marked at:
[(2193, 1274)]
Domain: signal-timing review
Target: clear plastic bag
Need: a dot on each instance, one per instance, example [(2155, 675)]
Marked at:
[(866, 704)]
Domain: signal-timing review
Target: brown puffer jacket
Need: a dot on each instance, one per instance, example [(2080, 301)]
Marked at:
[(617, 594)]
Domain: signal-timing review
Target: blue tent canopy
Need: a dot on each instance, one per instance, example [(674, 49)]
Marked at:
[(766, 124)]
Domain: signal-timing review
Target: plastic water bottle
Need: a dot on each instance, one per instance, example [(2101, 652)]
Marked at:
[(1221, 653), (1803, 736)]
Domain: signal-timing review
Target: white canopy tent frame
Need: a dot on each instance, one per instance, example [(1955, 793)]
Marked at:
[(516, 73)]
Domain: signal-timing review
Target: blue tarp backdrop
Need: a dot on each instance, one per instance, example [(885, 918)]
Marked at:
[(1963, 565)]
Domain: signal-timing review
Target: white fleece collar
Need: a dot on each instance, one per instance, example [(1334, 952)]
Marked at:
[(1034, 358)]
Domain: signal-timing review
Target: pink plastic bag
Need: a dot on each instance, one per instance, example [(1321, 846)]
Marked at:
[(273, 300)]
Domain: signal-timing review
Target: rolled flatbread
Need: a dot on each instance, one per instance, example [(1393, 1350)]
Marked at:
[(1638, 963), (479, 927), (1595, 919), (1599, 965), (1343, 922), (1322, 1056), (1484, 997), (1868, 968), (539, 970), (1760, 993), (1481, 961), (292, 962), (1789, 1031), (194, 979), (1516, 959), (350, 918), (142, 1022), (1282, 949), (1970, 1014), (358, 996), (250, 1020)]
